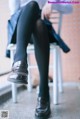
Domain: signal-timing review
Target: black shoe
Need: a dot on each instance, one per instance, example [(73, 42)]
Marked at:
[(43, 108), (19, 72)]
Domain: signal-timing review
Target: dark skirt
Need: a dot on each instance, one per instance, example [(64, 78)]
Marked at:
[(53, 36)]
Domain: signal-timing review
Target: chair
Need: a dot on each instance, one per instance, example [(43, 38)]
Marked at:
[(57, 66)]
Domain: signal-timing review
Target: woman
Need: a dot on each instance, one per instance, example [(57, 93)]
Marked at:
[(30, 27)]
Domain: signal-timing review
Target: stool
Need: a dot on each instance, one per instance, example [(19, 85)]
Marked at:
[(57, 67)]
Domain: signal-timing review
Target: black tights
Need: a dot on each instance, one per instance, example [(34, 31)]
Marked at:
[(30, 23)]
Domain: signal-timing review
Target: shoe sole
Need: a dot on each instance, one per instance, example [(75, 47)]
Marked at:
[(18, 81), (43, 117), (13, 80)]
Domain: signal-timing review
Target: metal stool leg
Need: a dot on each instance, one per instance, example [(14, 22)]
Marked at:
[(60, 78), (29, 83), (14, 86), (14, 92), (55, 75), (29, 76)]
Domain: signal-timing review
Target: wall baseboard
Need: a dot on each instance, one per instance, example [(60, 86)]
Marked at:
[(7, 88), (68, 84)]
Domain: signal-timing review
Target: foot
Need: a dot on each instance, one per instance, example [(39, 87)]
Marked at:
[(19, 72), (43, 108)]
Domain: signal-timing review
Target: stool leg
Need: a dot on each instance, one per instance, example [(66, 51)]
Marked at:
[(29, 82), (14, 86), (12, 56), (55, 75), (37, 90), (60, 78), (14, 92), (29, 76)]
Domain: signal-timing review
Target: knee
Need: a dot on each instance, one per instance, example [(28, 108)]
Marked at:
[(39, 25), (33, 4)]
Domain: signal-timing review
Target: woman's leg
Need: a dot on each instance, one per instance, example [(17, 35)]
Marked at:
[(28, 17), (25, 26), (41, 43)]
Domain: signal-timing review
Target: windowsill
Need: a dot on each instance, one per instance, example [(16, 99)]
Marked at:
[(5, 85), (5, 89)]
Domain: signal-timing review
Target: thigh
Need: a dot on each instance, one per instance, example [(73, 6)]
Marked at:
[(42, 32)]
